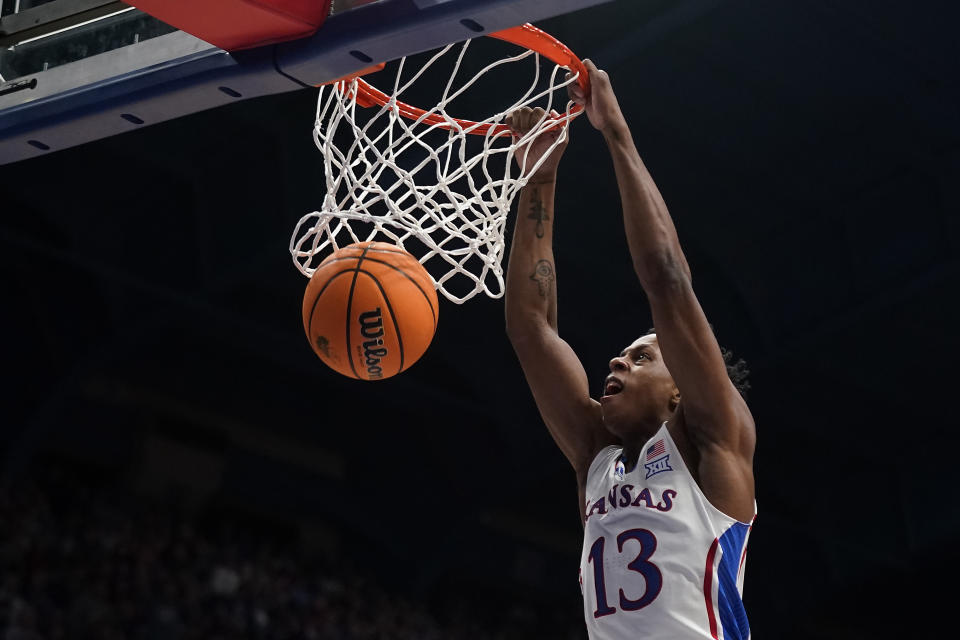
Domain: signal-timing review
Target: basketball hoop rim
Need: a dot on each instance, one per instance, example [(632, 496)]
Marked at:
[(525, 35)]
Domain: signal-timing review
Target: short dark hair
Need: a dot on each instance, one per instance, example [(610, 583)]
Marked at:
[(737, 370)]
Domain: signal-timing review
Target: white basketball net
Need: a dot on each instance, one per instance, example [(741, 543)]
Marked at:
[(441, 194)]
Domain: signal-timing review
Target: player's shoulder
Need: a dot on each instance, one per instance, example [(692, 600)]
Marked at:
[(730, 429)]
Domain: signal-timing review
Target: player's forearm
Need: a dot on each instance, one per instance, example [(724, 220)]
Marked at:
[(650, 231), (531, 296)]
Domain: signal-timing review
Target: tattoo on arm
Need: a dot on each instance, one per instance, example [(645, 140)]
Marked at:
[(543, 276), (537, 211)]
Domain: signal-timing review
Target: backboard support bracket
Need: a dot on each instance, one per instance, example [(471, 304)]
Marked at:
[(174, 75)]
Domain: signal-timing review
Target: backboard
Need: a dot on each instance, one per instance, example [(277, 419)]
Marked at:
[(80, 70)]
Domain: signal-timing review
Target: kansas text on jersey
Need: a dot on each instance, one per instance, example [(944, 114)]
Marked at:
[(659, 561)]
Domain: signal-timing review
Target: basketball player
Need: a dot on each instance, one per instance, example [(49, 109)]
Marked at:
[(664, 460)]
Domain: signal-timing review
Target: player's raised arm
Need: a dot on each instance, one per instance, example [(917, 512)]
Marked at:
[(553, 371), (712, 409)]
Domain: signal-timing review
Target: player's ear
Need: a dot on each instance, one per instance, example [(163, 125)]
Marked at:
[(675, 399)]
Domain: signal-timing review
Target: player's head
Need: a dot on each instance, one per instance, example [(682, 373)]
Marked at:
[(639, 393)]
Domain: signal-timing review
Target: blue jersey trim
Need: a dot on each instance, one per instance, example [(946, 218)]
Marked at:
[(733, 616)]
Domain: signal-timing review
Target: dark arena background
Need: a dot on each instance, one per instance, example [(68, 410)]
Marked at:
[(177, 463)]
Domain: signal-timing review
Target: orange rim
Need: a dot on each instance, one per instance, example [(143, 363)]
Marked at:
[(525, 35)]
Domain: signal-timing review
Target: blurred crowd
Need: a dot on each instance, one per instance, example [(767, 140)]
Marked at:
[(80, 562)]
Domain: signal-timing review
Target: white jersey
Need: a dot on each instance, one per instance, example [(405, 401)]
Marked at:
[(659, 561)]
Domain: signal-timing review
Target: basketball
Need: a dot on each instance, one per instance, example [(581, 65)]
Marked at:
[(370, 310)]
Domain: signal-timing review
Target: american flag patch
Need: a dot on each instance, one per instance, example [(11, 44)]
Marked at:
[(657, 449)]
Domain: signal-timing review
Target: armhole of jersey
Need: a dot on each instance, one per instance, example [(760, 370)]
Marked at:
[(603, 458), (696, 484)]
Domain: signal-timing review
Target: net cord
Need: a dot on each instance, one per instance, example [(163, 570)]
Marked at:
[(457, 216)]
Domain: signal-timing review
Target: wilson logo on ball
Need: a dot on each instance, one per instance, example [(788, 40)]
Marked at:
[(371, 327)]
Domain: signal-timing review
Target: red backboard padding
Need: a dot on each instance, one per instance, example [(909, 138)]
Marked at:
[(240, 24)]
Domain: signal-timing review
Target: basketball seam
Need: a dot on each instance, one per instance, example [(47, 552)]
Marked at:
[(382, 249), (401, 252), (405, 275), (316, 301), (387, 249)]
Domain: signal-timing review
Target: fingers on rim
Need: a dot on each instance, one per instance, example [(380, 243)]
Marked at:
[(517, 120), (592, 69), (523, 119)]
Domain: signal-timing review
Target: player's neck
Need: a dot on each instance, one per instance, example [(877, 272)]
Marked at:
[(634, 442)]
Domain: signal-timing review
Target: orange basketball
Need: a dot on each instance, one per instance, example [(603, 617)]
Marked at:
[(370, 310)]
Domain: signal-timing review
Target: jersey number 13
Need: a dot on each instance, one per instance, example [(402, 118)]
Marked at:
[(641, 564)]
